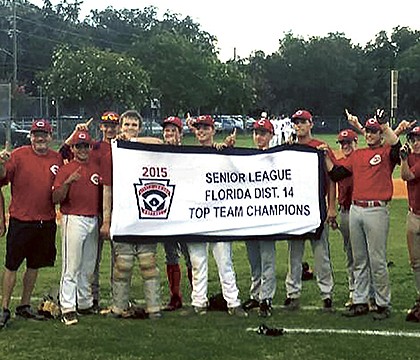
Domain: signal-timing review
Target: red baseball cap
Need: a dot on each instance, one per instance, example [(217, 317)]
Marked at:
[(110, 117), (302, 114), (204, 120), (41, 125), (264, 124), (372, 124), (347, 135), (415, 131), (174, 120), (81, 136)]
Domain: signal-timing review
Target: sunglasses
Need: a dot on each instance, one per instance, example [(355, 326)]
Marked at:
[(82, 146), (109, 117), (344, 142)]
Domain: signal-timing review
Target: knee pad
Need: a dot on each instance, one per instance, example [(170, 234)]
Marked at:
[(148, 267), (123, 267)]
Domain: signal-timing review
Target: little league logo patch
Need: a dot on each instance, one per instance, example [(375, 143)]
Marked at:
[(154, 198)]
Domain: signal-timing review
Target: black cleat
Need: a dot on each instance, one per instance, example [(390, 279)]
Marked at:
[(26, 312), (250, 304), (357, 310), (265, 309), (4, 317)]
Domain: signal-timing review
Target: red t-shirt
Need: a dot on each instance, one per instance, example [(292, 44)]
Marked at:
[(31, 177), (83, 195), (372, 173), (413, 186)]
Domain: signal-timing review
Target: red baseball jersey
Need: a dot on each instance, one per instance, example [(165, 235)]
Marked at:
[(31, 177), (413, 186), (372, 173), (83, 195)]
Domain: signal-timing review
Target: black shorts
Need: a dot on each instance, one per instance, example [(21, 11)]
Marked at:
[(30, 240)]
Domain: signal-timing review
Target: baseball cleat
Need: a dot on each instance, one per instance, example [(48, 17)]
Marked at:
[(69, 318), (4, 318)]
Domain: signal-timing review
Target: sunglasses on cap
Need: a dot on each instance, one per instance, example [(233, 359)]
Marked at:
[(110, 117), (82, 146)]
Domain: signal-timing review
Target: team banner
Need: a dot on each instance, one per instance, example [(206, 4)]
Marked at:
[(190, 193)]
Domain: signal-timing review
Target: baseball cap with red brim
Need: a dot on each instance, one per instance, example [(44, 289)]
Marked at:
[(264, 124), (373, 124), (81, 137), (415, 131), (302, 114), (41, 125), (204, 120), (347, 135), (173, 120)]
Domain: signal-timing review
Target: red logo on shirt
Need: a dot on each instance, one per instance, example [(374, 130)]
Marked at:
[(375, 160)]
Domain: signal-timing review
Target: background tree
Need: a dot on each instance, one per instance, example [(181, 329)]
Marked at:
[(99, 80)]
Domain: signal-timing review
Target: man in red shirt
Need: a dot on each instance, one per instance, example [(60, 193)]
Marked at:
[(31, 235), (76, 189), (410, 172), (372, 169), (302, 120)]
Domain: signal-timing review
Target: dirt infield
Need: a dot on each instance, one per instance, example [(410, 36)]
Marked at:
[(400, 189)]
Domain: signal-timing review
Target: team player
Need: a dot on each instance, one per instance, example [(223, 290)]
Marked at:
[(76, 189), (262, 254), (109, 127), (172, 135), (31, 171), (348, 142), (302, 120), (410, 172), (371, 168), (222, 251), (125, 254)]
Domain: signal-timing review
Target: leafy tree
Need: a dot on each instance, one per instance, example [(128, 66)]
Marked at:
[(96, 79), (182, 74)]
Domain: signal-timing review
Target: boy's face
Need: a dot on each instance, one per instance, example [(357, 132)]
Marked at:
[(205, 134), (262, 138), (130, 127), (373, 137), (171, 134), (109, 131), (81, 151), (303, 127), (347, 147)]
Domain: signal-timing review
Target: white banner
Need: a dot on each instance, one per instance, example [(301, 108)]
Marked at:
[(191, 193)]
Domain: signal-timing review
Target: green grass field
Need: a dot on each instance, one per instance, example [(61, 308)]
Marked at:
[(180, 335)]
